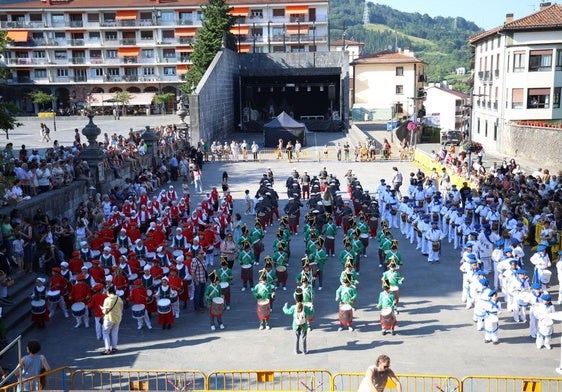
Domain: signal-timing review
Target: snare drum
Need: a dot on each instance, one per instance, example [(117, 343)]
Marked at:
[(282, 274), (88, 265), (217, 307), (247, 272), (149, 297), (138, 311), (491, 323), (345, 314), (78, 309), (132, 279), (123, 250), (435, 246), (545, 326), (38, 307), (150, 255), (396, 291), (544, 276), (388, 319), (164, 306), (95, 253), (120, 294), (165, 271), (225, 290), (53, 296), (263, 309), (177, 253)]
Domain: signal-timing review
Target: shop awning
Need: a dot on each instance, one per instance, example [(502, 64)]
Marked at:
[(128, 52), (141, 99), (186, 32), (240, 30), (239, 11), (296, 29), (182, 68), (244, 48), (126, 15), (108, 99), (184, 49), (18, 35), (296, 9)]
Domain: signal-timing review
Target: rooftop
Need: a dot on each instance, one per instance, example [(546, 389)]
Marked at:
[(388, 57)]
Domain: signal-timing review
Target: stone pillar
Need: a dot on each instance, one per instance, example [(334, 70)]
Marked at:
[(93, 154), (151, 140)]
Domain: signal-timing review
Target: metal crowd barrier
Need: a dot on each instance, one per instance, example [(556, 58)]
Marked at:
[(410, 382), (55, 379), (270, 380), (501, 383), (139, 380)]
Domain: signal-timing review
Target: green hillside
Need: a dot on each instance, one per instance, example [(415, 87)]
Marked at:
[(439, 41)]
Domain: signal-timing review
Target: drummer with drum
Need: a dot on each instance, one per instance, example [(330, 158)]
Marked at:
[(541, 261), (39, 315), (265, 295), (387, 304), (225, 281), (55, 295), (517, 287), (164, 304), (246, 260), (545, 323), (96, 305), (492, 309), (80, 295), (434, 237), (139, 297), (346, 295), (349, 273), (394, 278), (215, 300)]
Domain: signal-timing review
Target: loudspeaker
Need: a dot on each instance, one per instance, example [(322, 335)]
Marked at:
[(249, 92), (331, 92)]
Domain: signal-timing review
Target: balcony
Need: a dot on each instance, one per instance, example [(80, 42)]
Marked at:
[(170, 59), (487, 76), (184, 22), (96, 60), (76, 23), (186, 40), (169, 78), (78, 60), (77, 42), (128, 41), (130, 78), (80, 78), (130, 60), (62, 79), (23, 79), (27, 61)]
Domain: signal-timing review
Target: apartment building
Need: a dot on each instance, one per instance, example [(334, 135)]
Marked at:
[(389, 83), (446, 108), (83, 51), (517, 74)]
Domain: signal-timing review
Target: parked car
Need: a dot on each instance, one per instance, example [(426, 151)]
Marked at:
[(450, 136)]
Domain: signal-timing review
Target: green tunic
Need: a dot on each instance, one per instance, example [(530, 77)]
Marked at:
[(353, 273), (393, 277), (263, 291), (292, 310), (225, 275), (246, 257), (212, 291), (386, 300), (329, 230), (346, 295), (344, 254)]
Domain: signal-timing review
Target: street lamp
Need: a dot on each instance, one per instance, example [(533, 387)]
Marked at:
[(54, 120)]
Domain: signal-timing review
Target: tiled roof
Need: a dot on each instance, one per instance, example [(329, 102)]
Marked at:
[(351, 41), (387, 57), (120, 4), (452, 92), (548, 18)]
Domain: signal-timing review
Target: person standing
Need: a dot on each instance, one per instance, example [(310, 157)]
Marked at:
[(301, 314), (378, 375), (112, 314), (32, 365), (199, 276), (397, 180), (255, 149)]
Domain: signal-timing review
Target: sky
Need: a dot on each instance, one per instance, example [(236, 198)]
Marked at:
[(485, 13)]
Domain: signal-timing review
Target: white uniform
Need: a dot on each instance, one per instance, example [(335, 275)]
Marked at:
[(493, 310), (544, 325)]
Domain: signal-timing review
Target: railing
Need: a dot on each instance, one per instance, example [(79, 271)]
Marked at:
[(410, 382), (78, 60), (507, 383), (271, 380), (55, 379), (128, 41), (76, 23)]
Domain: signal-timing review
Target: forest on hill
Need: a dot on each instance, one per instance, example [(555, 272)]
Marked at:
[(441, 42)]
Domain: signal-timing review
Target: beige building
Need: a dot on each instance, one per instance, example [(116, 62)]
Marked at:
[(73, 49), (389, 83)]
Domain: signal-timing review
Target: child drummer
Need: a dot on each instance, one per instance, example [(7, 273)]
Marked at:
[(212, 291), (346, 294), (264, 291), (225, 276)]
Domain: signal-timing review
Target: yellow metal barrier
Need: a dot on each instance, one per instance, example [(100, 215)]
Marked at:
[(425, 162), (500, 383), (270, 380), (139, 380), (410, 382), (59, 378)]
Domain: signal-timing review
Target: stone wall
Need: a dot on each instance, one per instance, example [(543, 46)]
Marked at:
[(212, 108), (541, 145)]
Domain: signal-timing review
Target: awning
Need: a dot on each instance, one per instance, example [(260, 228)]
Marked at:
[(184, 49), (141, 99), (240, 30), (239, 11), (18, 35), (296, 9), (538, 91), (244, 48), (128, 52), (186, 32), (296, 29), (126, 15), (182, 68), (108, 99)]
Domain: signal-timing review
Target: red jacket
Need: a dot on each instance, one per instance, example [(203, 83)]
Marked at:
[(96, 304)]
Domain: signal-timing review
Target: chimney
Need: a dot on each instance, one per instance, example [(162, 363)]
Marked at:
[(508, 18), (545, 5)]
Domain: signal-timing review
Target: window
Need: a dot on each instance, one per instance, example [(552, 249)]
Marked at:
[(62, 72), (519, 62), (399, 71), (486, 128), (277, 49), (398, 107), (168, 34), (538, 98), (540, 61), (113, 71), (167, 16), (96, 72), (517, 98), (111, 35), (95, 54), (40, 73), (169, 53), (111, 54), (60, 36), (109, 16), (147, 35), (256, 13), (478, 125), (556, 97), (58, 19), (60, 55), (169, 71), (147, 53), (279, 13), (94, 35), (93, 18), (36, 17), (559, 59), (149, 71), (399, 89), (257, 31), (39, 54)]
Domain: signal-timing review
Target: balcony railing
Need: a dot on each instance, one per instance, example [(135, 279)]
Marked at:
[(81, 78), (27, 61), (22, 25), (78, 60), (76, 23), (128, 41), (130, 78), (77, 42), (184, 22)]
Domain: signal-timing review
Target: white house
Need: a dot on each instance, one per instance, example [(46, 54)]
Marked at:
[(449, 106)]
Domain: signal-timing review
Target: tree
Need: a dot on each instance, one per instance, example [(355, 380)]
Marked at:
[(208, 41), (41, 98), (162, 99), (122, 97), (8, 110)]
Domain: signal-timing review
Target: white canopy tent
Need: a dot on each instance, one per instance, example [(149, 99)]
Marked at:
[(108, 99)]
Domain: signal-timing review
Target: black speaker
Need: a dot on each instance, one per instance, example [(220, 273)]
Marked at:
[(331, 92), (249, 92)]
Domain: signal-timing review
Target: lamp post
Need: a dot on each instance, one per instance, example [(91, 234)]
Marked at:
[(54, 120), (268, 36)]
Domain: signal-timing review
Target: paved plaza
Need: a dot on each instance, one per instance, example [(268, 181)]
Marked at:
[(436, 334)]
